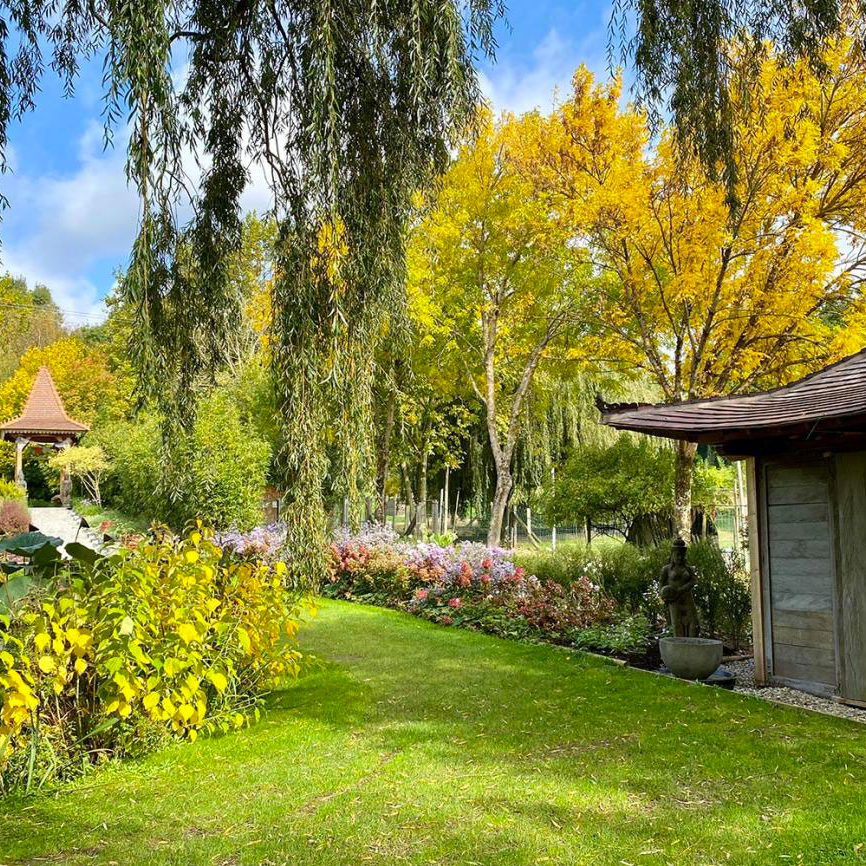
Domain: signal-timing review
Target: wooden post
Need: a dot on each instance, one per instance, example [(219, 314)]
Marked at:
[(529, 522), (755, 570), (344, 517), (446, 500), (435, 516)]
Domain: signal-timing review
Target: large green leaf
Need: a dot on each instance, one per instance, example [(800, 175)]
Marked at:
[(27, 543), (14, 589), (82, 553)]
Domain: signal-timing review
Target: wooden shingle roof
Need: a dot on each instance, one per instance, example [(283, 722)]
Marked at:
[(829, 398), (43, 413)]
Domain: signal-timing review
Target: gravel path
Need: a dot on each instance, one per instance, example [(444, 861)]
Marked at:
[(63, 523), (745, 670)]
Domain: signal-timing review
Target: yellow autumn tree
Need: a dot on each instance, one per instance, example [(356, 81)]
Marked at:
[(700, 300), (502, 285)]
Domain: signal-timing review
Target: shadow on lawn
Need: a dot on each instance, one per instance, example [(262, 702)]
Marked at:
[(513, 735)]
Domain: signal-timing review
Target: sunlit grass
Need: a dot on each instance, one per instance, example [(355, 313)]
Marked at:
[(412, 743)]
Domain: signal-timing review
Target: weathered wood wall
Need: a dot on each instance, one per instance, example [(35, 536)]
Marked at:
[(851, 573), (799, 563)]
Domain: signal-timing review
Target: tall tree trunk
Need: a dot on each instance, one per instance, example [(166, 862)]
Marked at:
[(383, 459), (504, 483), (410, 496), (684, 467), (421, 525)]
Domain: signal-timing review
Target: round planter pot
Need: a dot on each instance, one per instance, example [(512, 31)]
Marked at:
[(690, 658)]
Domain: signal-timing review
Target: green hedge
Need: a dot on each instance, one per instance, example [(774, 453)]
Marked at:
[(216, 473)]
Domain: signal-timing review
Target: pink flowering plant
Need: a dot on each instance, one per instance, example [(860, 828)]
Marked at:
[(467, 585)]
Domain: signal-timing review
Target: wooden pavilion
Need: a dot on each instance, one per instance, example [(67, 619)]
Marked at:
[(43, 423), (805, 450)]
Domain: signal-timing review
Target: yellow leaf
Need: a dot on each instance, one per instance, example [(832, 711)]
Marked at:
[(191, 556), (244, 638), (219, 680), (187, 632), (150, 700), (80, 666), (41, 641), (47, 664)]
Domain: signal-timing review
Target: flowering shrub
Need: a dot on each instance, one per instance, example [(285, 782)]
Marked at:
[(169, 636), (467, 584), (14, 517)]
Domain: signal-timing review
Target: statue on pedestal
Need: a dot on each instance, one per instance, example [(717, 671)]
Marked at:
[(677, 581)]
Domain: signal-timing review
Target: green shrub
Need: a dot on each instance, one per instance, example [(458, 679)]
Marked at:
[(630, 635), (629, 575), (722, 592), (171, 638), (563, 566), (10, 490), (216, 473)]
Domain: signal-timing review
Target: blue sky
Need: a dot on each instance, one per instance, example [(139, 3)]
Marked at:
[(72, 217)]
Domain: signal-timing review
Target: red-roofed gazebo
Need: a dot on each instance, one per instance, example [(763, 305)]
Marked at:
[(44, 422)]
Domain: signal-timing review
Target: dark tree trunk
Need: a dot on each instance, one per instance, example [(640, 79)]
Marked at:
[(684, 467)]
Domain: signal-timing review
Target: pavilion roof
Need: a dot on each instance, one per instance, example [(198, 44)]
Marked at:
[(832, 398), (43, 413)]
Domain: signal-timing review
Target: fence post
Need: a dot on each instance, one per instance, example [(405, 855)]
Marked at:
[(435, 516), (529, 522), (344, 517)]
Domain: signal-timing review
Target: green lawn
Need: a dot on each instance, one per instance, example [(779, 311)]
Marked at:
[(420, 744)]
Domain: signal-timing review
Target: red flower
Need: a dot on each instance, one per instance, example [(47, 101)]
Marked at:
[(454, 602), (446, 620), (421, 594), (485, 563)]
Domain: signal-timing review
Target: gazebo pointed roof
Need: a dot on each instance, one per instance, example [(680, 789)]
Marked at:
[(43, 413)]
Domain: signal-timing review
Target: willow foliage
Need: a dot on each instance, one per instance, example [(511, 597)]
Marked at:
[(349, 105), (682, 55)]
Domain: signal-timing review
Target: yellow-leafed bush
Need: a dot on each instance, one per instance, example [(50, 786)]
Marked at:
[(174, 636)]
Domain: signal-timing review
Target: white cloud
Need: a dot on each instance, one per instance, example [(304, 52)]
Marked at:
[(60, 228), (70, 231), (523, 84)]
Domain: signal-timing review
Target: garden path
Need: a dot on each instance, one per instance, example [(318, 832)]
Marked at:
[(65, 524)]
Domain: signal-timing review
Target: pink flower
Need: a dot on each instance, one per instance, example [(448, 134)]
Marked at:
[(446, 620), (421, 594), (485, 563), (485, 578), (454, 602), (518, 573)]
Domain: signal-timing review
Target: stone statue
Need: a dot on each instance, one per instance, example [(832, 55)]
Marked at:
[(677, 581)]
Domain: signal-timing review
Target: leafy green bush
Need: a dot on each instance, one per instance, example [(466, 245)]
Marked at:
[(10, 490), (216, 473), (170, 638), (629, 635), (629, 575), (722, 591)]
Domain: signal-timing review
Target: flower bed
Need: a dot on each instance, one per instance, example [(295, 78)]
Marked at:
[(474, 586)]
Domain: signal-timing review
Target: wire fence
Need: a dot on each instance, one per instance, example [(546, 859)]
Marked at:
[(522, 528)]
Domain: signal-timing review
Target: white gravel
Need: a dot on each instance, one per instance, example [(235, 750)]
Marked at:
[(744, 671), (65, 524)]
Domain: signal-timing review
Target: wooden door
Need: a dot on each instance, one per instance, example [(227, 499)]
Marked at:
[(801, 576), (851, 571)]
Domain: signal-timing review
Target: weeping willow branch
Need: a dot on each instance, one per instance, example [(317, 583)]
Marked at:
[(349, 106)]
